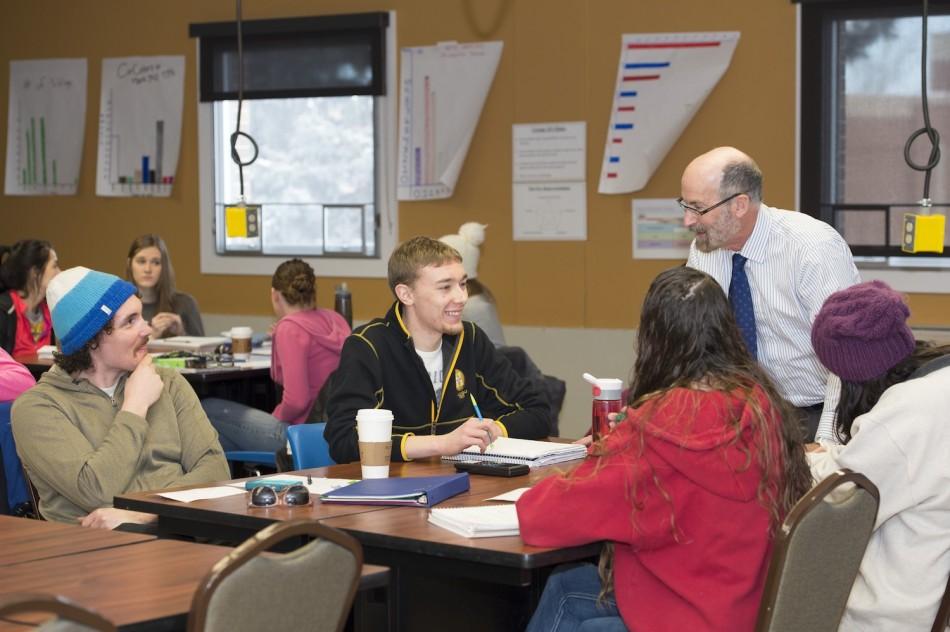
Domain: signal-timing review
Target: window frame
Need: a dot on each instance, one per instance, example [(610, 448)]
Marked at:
[(213, 262), (817, 103)]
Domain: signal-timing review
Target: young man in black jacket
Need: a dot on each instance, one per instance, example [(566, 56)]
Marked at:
[(422, 362)]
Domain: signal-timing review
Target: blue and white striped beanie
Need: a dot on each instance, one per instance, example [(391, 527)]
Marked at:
[(82, 302)]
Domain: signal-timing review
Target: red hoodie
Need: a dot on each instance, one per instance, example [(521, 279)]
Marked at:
[(306, 351), (711, 575)]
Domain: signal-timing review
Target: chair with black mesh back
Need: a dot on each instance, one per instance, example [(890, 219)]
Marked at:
[(310, 588), (70, 617), (817, 554)]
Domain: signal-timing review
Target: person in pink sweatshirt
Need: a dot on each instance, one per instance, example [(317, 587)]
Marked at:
[(14, 378), (307, 341), (687, 490)]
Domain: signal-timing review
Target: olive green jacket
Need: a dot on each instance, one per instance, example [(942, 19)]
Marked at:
[(81, 450)]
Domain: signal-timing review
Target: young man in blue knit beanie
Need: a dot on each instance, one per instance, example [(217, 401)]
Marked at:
[(104, 421)]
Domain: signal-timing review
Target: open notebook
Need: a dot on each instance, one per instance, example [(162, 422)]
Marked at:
[(477, 522), (532, 453)]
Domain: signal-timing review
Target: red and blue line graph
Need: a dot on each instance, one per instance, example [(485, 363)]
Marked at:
[(662, 79)]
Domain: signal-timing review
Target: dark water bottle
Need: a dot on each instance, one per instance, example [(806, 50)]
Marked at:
[(343, 303)]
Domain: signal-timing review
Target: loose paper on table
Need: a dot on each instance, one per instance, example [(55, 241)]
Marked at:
[(549, 192), (140, 108), (443, 89), (658, 231), (662, 80), (46, 121)]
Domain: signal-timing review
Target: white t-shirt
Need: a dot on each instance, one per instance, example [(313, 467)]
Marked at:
[(433, 363)]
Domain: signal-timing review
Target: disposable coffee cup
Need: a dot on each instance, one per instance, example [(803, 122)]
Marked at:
[(241, 342), (374, 429)]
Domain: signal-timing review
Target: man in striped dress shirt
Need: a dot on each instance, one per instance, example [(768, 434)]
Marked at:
[(777, 266)]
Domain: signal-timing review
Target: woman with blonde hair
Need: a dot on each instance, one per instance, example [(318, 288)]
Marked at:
[(688, 489), (168, 311)]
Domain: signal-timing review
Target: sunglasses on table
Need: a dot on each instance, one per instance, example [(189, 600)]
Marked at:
[(267, 496)]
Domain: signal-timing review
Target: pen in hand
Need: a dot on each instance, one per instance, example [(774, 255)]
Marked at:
[(478, 413)]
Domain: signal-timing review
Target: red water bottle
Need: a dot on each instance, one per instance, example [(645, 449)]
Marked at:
[(606, 393)]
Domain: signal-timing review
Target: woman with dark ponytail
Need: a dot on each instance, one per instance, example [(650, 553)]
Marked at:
[(306, 350), (26, 268), (688, 490)]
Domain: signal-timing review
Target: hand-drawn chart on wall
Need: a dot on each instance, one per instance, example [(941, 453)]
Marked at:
[(662, 80), (139, 125), (45, 125), (443, 90)]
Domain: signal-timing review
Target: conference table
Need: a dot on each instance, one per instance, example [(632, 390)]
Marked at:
[(24, 540), (437, 576), (136, 581)]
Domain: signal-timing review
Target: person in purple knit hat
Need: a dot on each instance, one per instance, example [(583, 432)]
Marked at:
[(894, 428)]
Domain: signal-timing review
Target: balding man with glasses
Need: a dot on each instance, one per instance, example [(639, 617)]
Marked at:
[(777, 266)]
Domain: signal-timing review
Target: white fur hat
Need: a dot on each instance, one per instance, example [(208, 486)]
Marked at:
[(471, 235)]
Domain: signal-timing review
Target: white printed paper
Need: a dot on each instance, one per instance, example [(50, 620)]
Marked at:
[(443, 89), (512, 496), (549, 191), (658, 231), (46, 122), (201, 493), (662, 80), (140, 108)]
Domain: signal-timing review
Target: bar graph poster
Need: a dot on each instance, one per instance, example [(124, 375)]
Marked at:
[(658, 231), (46, 121), (443, 90), (662, 80), (140, 110)]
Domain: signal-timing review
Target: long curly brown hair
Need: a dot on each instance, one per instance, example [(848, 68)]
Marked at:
[(688, 338)]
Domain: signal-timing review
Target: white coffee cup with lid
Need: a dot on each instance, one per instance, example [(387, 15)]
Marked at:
[(241, 342), (374, 430)]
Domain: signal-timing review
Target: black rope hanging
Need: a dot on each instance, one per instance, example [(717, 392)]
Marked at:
[(928, 130), (235, 156)]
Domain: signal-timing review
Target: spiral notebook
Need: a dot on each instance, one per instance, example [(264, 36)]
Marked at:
[(532, 453), (477, 522)]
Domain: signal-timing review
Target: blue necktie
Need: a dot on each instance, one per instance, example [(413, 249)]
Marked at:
[(740, 296)]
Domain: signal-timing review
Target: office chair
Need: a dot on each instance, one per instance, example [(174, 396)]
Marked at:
[(14, 497), (79, 619), (817, 554), (310, 588), (308, 448)]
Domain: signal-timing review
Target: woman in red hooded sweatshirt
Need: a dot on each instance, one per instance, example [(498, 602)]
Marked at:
[(687, 490)]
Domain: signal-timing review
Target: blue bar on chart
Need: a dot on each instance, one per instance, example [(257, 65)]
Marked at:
[(144, 169), (159, 142)]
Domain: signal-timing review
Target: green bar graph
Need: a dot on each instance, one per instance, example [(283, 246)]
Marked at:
[(43, 145), (29, 159), (55, 179), (33, 147)]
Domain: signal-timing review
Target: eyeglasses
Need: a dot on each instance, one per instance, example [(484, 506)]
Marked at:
[(687, 207), (267, 496)]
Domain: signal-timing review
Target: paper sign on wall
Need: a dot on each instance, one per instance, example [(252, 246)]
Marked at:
[(140, 108), (662, 80), (443, 89), (46, 121)]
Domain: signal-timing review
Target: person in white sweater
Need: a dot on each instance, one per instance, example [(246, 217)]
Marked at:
[(894, 428), (480, 307)]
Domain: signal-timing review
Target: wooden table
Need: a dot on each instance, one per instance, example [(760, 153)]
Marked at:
[(250, 386), (143, 585), (24, 540), (476, 584)]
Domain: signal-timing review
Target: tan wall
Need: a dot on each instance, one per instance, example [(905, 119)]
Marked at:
[(559, 64)]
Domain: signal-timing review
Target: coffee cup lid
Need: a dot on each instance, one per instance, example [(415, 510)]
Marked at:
[(241, 332)]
